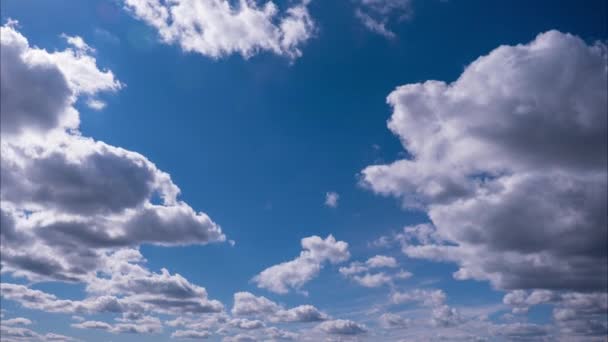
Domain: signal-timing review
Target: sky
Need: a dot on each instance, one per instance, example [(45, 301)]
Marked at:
[(307, 170)]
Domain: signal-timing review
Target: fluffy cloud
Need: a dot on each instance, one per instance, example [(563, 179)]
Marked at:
[(217, 28), (359, 271), (376, 15), (67, 198), (576, 314), (191, 334), (509, 162), (247, 304), (297, 272), (342, 327), (123, 287)]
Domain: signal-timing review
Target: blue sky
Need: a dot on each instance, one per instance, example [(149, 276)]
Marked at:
[(257, 142)]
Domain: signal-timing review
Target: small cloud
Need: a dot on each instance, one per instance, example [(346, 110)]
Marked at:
[(96, 104), (331, 199), (77, 42)]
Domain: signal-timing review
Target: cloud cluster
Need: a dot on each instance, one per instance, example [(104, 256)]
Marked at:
[(217, 28), (510, 164), (68, 198), (297, 272), (247, 304), (360, 273), (75, 209), (576, 314)]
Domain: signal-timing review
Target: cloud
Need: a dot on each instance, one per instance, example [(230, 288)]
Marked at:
[(342, 327), (247, 304), (576, 314), (143, 325), (377, 15), (393, 321), (279, 334), (331, 199), (422, 296), (247, 324), (360, 272), (297, 272), (191, 334), (510, 164), (66, 197), (218, 28)]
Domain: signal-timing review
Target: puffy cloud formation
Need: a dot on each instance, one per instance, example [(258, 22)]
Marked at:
[(13, 330), (75, 209), (510, 164), (123, 287), (359, 272), (247, 304), (67, 198), (217, 28), (576, 314), (297, 272), (342, 327), (376, 15)]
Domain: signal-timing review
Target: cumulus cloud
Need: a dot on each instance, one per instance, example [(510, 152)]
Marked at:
[(360, 273), (331, 199), (510, 164), (342, 327), (377, 15), (217, 28), (65, 197), (247, 304), (190, 334), (576, 314), (297, 272)]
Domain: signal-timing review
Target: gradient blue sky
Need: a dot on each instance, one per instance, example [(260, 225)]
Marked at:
[(256, 143)]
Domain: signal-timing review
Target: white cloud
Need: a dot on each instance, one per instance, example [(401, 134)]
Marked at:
[(509, 162), (217, 28), (331, 199), (247, 304), (66, 197), (342, 327), (424, 297), (377, 15), (191, 334), (355, 269), (297, 272), (143, 325)]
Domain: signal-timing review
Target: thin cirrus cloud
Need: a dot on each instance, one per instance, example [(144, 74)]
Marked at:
[(378, 15), (217, 28), (521, 131)]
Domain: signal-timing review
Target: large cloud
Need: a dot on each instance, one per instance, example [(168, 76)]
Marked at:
[(66, 197), (217, 28), (297, 272), (509, 162)]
